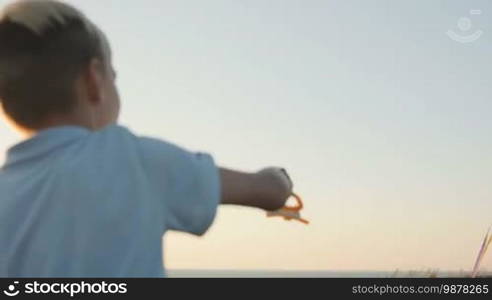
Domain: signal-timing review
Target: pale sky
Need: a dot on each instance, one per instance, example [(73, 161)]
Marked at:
[(382, 120)]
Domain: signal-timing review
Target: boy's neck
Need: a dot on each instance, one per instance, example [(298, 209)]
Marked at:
[(57, 122)]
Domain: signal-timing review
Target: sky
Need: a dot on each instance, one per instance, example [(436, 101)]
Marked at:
[(382, 120)]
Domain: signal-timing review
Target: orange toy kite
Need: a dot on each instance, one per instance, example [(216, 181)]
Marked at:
[(290, 212)]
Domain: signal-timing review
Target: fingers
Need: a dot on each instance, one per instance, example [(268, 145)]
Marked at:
[(287, 212)]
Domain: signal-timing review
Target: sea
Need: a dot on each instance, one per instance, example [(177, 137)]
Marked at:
[(313, 274)]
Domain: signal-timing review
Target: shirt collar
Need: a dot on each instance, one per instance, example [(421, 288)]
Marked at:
[(45, 141)]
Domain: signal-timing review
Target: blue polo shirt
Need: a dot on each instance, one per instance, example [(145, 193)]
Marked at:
[(77, 203)]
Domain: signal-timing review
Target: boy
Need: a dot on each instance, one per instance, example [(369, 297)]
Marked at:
[(83, 196)]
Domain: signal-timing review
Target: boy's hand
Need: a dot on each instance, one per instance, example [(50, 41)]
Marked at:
[(277, 187)]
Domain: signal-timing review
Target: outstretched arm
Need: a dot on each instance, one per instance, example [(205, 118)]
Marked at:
[(267, 189)]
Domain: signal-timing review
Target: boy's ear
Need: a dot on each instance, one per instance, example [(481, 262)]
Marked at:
[(93, 78)]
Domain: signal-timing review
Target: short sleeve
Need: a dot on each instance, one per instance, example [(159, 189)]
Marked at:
[(187, 183)]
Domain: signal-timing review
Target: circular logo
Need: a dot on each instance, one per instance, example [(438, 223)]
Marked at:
[(464, 24)]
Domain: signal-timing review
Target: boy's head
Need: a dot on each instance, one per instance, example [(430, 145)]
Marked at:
[(55, 68)]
